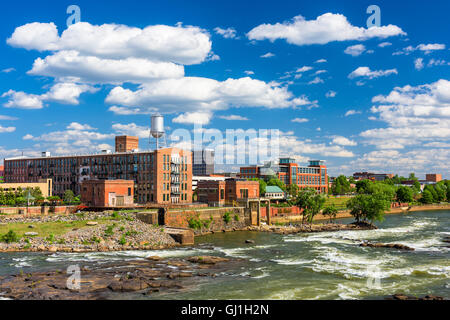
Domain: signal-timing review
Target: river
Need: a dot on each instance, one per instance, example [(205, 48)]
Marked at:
[(327, 265)]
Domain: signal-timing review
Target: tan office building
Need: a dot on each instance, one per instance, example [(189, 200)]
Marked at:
[(46, 186)]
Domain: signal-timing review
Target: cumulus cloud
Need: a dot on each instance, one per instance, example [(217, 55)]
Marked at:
[(316, 80), (268, 55), (92, 69), (193, 94), (331, 94), (7, 129), (65, 93), (228, 33), (180, 44), (304, 69), (343, 141), (426, 48), (233, 117), (201, 118), (321, 61), (365, 72), (384, 44), (7, 117), (131, 129), (352, 113), (414, 115), (300, 120), (355, 50), (326, 28), (418, 64)]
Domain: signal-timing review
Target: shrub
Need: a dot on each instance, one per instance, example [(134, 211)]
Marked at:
[(195, 224), (236, 217), (10, 237), (123, 241), (227, 217), (109, 231), (50, 238)]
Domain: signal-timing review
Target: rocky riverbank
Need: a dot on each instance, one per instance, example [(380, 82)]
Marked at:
[(140, 277), (92, 232), (311, 228)]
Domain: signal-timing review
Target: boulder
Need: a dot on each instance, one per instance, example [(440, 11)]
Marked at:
[(207, 259), (249, 241), (31, 234), (92, 223)]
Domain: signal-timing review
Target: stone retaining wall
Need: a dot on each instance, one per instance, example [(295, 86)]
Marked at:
[(36, 211)]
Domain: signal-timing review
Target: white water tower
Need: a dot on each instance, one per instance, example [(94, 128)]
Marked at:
[(157, 128)]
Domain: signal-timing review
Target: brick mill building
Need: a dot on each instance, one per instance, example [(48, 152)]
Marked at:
[(107, 193), (162, 176), (313, 176), (220, 193)]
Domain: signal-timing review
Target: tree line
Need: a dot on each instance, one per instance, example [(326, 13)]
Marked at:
[(34, 196)]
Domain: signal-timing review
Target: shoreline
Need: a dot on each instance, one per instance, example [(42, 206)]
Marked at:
[(42, 246)]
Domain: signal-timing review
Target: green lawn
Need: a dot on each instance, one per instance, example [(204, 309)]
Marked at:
[(47, 228), (340, 202)]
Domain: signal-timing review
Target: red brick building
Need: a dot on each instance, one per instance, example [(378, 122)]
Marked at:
[(2, 173), (107, 193), (433, 177), (219, 193), (127, 143), (162, 176), (314, 176)]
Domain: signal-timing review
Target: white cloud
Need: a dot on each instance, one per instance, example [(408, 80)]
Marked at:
[(437, 62), (316, 80), (426, 48), (300, 120), (192, 94), (385, 44), (321, 61), (8, 70), (268, 55), (91, 69), (132, 129), (125, 111), (181, 44), (414, 115), (7, 118), (249, 72), (79, 126), (369, 74), (343, 141), (233, 117), (331, 94), (326, 28), (304, 69), (228, 33), (355, 50), (7, 129), (22, 100), (320, 72), (418, 64), (202, 118), (352, 113), (65, 93)]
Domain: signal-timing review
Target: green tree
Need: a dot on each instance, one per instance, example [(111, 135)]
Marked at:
[(427, 197), (368, 207), (262, 185), (311, 202), (362, 186), (292, 190), (341, 185), (330, 211), (416, 186), (405, 194), (69, 196), (277, 183)]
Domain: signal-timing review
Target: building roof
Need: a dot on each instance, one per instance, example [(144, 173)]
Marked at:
[(273, 189)]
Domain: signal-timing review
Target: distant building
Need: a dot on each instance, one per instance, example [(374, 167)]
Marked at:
[(162, 176), (358, 176), (45, 185), (220, 193), (274, 193), (433, 177), (197, 179), (203, 162), (107, 193), (314, 176)]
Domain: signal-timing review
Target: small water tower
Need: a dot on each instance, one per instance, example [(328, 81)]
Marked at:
[(157, 128)]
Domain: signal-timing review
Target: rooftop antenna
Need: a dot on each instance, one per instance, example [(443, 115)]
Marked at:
[(157, 129)]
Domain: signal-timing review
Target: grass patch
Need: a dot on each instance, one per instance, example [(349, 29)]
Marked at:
[(46, 229), (340, 203)]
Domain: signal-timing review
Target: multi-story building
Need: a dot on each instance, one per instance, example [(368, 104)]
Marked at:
[(161, 176), (45, 185), (314, 176), (219, 193), (108, 193), (203, 162), (433, 177), (372, 176)]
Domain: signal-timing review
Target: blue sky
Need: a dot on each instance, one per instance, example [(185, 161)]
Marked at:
[(358, 98)]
